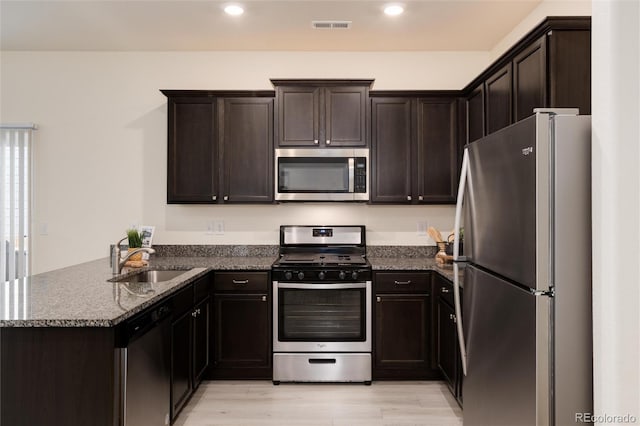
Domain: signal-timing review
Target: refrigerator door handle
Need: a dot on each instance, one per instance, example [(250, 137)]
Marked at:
[(457, 258)]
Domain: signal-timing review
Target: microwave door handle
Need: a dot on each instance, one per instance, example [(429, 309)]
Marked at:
[(351, 174)]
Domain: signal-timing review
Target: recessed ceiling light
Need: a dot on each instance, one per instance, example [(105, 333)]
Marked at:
[(234, 10), (393, 9)]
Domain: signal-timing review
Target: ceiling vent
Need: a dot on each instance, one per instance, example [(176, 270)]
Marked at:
[(331, 25)]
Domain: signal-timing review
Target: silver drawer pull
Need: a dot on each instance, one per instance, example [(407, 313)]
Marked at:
[(444, 290), (214, 197), (315, 141), (194, 314), (328, 141), (241, 282), (378, 299), (264, 298), (402, 282)]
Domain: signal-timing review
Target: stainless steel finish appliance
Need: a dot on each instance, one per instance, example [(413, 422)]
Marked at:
[(145, 368), (322, 296), (526, 335), (311, 174)]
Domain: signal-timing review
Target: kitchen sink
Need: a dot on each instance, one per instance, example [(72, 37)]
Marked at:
[(151, 276)]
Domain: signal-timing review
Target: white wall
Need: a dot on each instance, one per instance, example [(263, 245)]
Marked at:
[(616, 207), (100, 153)]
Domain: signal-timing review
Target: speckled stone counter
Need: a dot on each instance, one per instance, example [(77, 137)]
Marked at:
[(412, 264), (83, 296)]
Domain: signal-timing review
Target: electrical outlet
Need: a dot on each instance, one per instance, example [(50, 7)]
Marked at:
[(421, 228), (218, 227), (215, 227)]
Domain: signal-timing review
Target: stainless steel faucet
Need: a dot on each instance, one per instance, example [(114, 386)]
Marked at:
[(117, 263)]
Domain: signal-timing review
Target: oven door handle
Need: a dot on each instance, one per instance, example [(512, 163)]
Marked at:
[(322, 286)]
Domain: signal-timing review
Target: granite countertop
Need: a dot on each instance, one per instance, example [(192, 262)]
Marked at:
[(82, 296), (411, 264)]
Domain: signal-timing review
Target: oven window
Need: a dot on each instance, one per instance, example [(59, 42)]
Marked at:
[(313, 174), (321, 315)]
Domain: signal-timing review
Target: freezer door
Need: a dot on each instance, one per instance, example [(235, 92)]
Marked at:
[(506, 332), (500, 218)]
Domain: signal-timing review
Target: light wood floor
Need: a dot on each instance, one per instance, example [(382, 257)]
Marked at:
[(257, 403)]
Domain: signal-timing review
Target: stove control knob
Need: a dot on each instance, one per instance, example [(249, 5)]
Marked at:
[(342, 275), (354, 275), (321, 275), (300, 275), (288, 275)]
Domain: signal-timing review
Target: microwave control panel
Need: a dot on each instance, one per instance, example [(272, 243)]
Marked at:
[(360, 175)]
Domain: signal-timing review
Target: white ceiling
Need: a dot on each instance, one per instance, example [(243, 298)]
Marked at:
[(432, 25)]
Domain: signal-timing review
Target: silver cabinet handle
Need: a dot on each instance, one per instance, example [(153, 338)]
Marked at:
[(454, 319), (444, 290), (198, 311), (420, 198), (328, 141), (214, 197), (194, 314), (408, 197), (378, 299), (241, 282), (264, 298), (226, 198), (402, 282), (316, 141)]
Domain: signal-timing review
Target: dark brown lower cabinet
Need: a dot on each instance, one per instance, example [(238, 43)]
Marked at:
[(242, 334), (190, 331), (402, 348), (447, 351), (57, 376)]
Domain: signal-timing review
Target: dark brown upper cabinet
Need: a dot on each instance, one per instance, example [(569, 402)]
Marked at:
[(323, 113), (437, 150), (392, 139), (549, 68), (498, 99), (529, 79), (475, 114), (414, 149), (246, 128), (192, 169), (220, 147)]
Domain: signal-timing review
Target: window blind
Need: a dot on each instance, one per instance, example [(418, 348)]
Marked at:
[(15, 187)]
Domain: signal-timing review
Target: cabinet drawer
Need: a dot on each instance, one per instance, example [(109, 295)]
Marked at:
[(241, 281), (402, 282)]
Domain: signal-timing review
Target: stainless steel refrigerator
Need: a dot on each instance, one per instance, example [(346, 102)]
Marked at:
[(526, 327)]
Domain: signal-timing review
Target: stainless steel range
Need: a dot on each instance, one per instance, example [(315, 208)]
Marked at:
[(322, 305)]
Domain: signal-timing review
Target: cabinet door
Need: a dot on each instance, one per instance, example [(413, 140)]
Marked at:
[(345, 116), (392, 163), (446, 344), (437, 151), (402, 336), (475, 114), (201, 340), (498, 99), (247, 150), (192, 171), (242, 336), (530, 79), (570, 70), (298, 116), (181, 353)]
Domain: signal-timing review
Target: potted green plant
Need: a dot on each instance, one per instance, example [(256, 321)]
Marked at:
[(135, 241)]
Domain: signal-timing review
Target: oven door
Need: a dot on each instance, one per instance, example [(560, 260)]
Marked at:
[(322, 317)]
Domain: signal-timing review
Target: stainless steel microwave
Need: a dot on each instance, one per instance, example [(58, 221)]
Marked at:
[(312, 174)]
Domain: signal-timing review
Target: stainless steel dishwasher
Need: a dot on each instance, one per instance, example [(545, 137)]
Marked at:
[(145, 368)]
